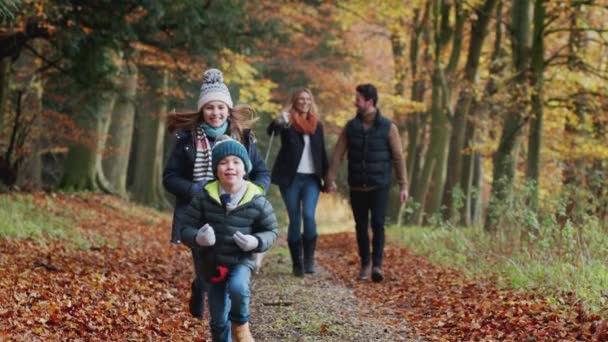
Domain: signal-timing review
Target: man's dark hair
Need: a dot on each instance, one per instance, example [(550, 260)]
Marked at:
[(369, 92)]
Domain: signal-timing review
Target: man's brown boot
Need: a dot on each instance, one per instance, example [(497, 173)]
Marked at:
[(241, 333), (365, 272)]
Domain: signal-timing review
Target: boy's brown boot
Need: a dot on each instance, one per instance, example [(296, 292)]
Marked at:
[(241, 333)]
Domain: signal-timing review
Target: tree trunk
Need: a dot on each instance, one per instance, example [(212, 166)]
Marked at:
[(574, 173), (436, 150), (433, 175), (121, 131), (471, 188), (416, 122), (505, 159), (80, 168), (400, 61), (536, 119), (83, 169), (30, 173), (453, 186), (147, 187), (5, 77)]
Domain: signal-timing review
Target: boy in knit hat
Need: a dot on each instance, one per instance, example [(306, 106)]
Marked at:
[(227, 223)]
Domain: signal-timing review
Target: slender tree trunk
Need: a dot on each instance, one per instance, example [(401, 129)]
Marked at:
[(416, 122), (121, 131), (147, 187), (5, 77), (30, 173), (436, 150), (505, 158), (400, 62), (459, 126), (475, 205), (536, 119), (574, 173), (448, 83), (105, 118), (482, 110)]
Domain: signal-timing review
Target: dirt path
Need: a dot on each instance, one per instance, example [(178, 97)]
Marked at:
[(316, 308)]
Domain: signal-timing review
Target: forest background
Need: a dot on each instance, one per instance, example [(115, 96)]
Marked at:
[(501, 105)]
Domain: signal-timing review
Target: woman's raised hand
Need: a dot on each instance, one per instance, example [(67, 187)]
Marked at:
[(283, 118)]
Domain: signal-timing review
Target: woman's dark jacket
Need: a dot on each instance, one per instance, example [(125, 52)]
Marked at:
[(253, 215), (292, 145), (178, 173)]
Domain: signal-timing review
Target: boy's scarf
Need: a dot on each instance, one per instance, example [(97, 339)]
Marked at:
[(304, 124), (231, 201), (202, 162)]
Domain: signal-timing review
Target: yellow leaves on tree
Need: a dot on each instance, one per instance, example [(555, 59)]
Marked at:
[(252, 90)]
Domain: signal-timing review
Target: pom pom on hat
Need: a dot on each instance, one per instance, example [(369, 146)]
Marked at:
[(226, 146), (213, 89)]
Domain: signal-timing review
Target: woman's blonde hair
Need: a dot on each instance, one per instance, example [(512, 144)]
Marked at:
[(294, 98), (239, 118)]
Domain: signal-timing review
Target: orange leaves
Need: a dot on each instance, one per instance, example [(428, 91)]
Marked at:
[(124, 290), (441, 304)]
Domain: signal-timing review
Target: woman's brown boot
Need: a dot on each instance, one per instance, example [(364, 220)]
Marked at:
[(241, 333)]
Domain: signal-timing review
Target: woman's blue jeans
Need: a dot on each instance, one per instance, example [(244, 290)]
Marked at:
[(229, 302), (301, 198)]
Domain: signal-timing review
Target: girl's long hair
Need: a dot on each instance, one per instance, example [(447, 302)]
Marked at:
[(239, 118)]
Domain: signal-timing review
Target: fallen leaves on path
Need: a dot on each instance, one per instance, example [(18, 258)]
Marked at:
[(441, 304), (135, 287)]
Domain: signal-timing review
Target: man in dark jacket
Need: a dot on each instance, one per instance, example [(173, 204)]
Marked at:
[(373, 145)]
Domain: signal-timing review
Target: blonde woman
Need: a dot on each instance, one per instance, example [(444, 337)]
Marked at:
[(299, 169)]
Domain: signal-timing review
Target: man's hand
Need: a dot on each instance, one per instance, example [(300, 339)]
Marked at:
[(205, 236), (403, 195), (331, 186), (245, 241)]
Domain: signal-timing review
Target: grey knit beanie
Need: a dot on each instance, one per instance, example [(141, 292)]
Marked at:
[(213, 89)]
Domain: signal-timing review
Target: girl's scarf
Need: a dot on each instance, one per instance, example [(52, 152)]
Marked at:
[(202, 162), (214, 132), (304, 124)]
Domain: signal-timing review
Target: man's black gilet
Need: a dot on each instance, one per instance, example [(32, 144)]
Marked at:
[(369, 154)]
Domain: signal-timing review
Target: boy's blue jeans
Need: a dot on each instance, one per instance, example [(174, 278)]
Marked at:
[(229, 302), (301, 198)]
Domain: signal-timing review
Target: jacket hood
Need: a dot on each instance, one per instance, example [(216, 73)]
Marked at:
[(213, 189)]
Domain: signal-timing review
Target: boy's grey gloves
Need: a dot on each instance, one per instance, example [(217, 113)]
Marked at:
[(205, 236), (245, 242)]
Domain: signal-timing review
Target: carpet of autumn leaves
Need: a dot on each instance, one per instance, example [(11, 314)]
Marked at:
[(441, 304), (136, 287)]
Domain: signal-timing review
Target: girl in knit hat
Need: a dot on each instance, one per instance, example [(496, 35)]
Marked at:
[(189, 167), (227, 223)]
